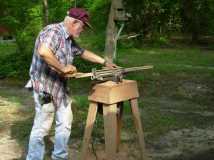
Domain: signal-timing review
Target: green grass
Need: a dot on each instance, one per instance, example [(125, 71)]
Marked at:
[(166, 59)]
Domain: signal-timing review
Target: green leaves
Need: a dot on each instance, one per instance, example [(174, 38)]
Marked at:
[(163, 17), (35, 11)]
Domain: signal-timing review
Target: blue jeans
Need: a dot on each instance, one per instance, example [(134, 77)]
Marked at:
[(43, 120)]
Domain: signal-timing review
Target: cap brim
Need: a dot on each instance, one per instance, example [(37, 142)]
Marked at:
[(88, 25)]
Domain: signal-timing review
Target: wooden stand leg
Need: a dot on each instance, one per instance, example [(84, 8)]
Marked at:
[(88, 129), (119, 123), (138, 125), (110, 128)]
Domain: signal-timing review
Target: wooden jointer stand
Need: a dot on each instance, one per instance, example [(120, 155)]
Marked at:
[(112, 95)]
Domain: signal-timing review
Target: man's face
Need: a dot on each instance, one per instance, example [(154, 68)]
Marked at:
[(75, 28)]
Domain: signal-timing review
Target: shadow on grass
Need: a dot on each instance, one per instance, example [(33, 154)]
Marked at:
[(20, 130), (203, 155), (206, 155)]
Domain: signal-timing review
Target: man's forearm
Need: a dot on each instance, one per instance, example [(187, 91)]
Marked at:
[(50, 58), (90, 56)]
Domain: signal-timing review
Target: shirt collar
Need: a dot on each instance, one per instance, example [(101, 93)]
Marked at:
[(65, 30)]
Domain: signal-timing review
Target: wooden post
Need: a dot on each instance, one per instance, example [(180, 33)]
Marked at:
[(110, 128), (111, 31), (117, 14), (45, 11), (119, 123), (138, 125), (92, 111)]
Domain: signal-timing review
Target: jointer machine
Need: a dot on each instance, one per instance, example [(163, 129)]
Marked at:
[(115, 75)]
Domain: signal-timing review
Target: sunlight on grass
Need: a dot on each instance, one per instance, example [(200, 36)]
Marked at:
[(10, 113)]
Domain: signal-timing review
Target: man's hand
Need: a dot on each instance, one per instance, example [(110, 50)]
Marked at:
[(110, 65), (68, 70)]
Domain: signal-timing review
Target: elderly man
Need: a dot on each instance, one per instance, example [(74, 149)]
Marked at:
[(54, 52)]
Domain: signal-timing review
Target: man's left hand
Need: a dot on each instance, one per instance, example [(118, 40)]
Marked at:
[(110, 65)]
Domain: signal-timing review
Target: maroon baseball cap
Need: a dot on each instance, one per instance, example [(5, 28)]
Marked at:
[(80, 14)]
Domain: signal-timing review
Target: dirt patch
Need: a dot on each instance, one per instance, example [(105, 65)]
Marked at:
[(9, 148), (183, 143)]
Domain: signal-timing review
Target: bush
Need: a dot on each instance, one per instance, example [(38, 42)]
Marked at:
[(17, 64)]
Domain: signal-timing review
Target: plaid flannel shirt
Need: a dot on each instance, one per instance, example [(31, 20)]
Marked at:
[(43, 78)]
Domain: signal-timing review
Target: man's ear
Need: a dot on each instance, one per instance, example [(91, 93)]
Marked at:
[(72, 23)]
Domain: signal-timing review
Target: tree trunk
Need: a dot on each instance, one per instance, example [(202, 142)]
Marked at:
[(191, 19), (45, 11), (111, 32), (195, 29)]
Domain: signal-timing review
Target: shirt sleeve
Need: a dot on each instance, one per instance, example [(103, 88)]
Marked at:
[(51, 40), (76, 49)]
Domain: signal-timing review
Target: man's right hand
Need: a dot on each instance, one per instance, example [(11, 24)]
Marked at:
[(68, 70)]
